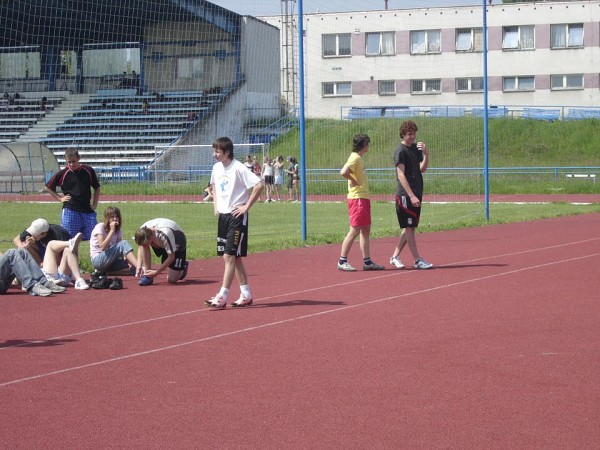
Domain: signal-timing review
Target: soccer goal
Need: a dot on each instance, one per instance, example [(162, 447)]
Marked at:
[(193, 163)]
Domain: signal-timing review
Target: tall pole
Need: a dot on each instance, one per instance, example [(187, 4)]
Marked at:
[(302, 122), (486, 173)]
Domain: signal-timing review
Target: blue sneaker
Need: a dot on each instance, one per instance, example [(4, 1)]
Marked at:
[(146, 281)]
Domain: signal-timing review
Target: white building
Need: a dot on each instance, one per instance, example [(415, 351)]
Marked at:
[(539, 54)]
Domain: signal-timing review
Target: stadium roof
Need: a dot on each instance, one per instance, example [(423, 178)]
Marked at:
[(72, 23)]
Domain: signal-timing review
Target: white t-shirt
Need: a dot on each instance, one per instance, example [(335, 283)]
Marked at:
[(231, 185), (163, 230)]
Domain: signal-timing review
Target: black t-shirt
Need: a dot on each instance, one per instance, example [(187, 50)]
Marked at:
[(55, 233), (78, 183), (411, 157)]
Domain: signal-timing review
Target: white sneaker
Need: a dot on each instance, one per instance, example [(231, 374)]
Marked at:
[(38, 290), (346, 267), (217, 302), (395, 261), (74, 243), (422, 264), (241, 302), (53, 286), (81, 285)]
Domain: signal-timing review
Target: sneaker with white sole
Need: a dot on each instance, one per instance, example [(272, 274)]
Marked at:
[(217, 302), (373, 266), (346, 267), (395, 261), (39, 290), (74, 243), (422, 264), (241, 302), (51, 284), (81, 285)]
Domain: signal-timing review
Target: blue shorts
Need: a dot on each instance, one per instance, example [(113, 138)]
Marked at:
[(78, 222)]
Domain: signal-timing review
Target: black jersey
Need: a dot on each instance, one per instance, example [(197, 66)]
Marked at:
[(411, 157)]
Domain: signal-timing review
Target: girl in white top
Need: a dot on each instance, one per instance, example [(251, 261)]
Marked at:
[(267, 176)]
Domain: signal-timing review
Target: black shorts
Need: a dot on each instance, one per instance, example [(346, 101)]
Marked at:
[(269, 179), (180, 253), (232, 235), (408, 215)]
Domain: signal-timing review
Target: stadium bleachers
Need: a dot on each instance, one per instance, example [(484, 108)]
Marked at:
[(17, 115), (121, 127)]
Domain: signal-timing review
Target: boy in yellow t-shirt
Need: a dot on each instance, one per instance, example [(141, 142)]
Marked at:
[(359, 206)]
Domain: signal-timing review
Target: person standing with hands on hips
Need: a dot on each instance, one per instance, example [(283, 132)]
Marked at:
[(411, 159), (359, 205), (231, 182), (76, 182)]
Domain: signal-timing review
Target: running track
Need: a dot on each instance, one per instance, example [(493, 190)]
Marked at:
[(497, 347)]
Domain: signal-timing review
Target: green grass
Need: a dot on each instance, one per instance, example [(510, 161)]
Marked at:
[(454, 142), (277, 225)]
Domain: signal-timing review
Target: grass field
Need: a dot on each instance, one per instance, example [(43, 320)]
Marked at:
[(455, 142), (277, 225)]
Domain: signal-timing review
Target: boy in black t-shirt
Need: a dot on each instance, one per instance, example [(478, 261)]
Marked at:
[(79, 206), (411, 160)]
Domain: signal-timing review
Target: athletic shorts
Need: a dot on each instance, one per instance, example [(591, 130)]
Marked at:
[(78, 222), (232, 235), (408, 215), (359, 210), (269, 179), (180, 253)]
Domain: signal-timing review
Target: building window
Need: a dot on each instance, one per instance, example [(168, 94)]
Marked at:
[(426, 86), (337, 45), (511, 84), (473, 84), (337, 89), (425, 41), (469, 40), (387, 87), (381, 43), (518, 38), (565, 82), (566, 35)]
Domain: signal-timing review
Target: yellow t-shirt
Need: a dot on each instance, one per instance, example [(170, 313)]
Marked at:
[(357, 167)]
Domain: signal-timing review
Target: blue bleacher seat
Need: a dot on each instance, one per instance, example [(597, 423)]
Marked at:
[(447, 111), (549, 115), (583, 113), (492, 112), (364, 113)]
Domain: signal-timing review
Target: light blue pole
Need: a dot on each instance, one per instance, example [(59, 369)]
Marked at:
[(486, 173), (302, 123)]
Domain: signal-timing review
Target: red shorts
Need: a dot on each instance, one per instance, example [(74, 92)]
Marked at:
[(359, 210)]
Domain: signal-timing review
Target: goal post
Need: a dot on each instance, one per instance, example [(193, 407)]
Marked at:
[(193, 163)]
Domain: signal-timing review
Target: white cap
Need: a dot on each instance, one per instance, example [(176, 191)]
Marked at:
[(38, 226)]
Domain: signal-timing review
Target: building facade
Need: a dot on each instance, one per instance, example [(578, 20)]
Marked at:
[(539, 54)]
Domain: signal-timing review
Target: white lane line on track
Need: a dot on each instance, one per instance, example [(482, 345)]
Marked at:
[(386, 274), (290, 320)]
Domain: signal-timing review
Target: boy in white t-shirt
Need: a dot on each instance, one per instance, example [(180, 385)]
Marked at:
[(231, 182)]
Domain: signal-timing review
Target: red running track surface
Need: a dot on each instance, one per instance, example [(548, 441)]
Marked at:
[(496, 347)]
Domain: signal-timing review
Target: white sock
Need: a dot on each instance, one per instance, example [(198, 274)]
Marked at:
[(224, 292), (245, 289)]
